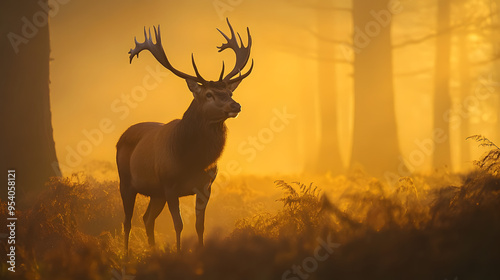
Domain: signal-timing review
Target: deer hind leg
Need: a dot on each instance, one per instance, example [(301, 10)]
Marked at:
[(155, 207), (173, 206), (128, 198)]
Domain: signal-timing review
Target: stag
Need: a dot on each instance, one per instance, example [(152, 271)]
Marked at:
[(179, 158)]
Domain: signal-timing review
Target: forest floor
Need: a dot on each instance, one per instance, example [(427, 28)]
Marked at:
[(439, 226)]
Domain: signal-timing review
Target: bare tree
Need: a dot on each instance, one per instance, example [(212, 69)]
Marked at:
[(465, 90), (375, 140), (27, 143), (328, 156), (442, 101)]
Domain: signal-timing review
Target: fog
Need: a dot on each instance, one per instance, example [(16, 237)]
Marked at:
[(355, 129), (96, 94)]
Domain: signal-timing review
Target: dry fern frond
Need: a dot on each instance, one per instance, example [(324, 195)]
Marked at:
[(290, 191), (483, 141), (306, 194), (490, 161)]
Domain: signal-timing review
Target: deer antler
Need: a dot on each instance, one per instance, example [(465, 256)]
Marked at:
[(242, 55), (159, 53)]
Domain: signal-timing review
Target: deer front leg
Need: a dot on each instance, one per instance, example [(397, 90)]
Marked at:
[(201, 205), (202, 197), (173, 206)]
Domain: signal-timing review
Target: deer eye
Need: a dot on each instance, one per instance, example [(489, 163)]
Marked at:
[(209, 95)]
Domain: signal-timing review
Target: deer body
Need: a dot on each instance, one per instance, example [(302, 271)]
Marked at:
[(161, 157), (168, 161)]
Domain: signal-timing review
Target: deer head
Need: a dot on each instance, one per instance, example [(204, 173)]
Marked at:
[(212, 99)]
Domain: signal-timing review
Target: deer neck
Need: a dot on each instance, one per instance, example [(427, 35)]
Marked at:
[(198, 142)]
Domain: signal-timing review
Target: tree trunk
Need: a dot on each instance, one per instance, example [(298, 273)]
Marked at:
[(495, 41), (375, 140), (27, 143), (465, 91), (328, 156), (309, 129), (442, 101)]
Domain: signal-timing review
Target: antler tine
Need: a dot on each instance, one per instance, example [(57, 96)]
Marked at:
[(196, 70), (241, 77), (222, 72), (226, 45), (242, 53), (157, 50), (157, 35)]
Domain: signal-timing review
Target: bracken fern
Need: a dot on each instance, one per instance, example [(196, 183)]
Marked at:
[(489, 161)]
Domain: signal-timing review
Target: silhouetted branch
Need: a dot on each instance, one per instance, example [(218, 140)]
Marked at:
[(310, 54), (335, 60), (487, 61), (426, 37), (304, 4), (439, 33), (414, 73), (328, 8), (327, 39), (415, 41)]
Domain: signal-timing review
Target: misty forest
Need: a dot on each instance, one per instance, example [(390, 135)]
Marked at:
[(344, 139)]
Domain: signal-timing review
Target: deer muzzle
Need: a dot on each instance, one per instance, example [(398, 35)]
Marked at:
[(234, 110)]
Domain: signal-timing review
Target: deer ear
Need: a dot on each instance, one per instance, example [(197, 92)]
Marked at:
[(234, 85), (194, 87)]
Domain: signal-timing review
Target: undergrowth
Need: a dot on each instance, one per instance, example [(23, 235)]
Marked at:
[(417, 229)]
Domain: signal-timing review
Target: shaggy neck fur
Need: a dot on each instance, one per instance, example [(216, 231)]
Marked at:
[(198, 143)]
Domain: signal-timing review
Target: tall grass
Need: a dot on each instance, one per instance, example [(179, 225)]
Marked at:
[(423, 228)]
